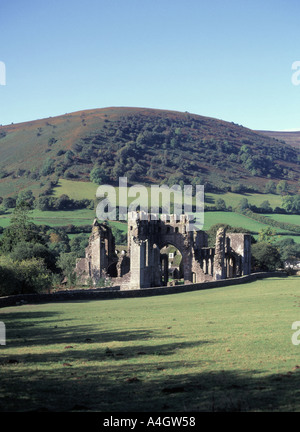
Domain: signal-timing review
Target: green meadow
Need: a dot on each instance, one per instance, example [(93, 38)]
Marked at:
[(222, 349), (82, 190), (232, 199)]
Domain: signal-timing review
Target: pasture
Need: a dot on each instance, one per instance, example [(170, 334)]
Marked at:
[(83, 190), (223, 349)]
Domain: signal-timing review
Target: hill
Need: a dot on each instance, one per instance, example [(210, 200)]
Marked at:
[(291, 138), (147, 146)]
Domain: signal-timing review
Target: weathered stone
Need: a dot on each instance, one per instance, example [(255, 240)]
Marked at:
[(144, 266), (99, 255)]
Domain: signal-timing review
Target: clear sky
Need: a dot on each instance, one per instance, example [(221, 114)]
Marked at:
[(226, 59)]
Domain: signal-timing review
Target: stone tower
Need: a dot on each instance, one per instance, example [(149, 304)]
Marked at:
[(99, 254)]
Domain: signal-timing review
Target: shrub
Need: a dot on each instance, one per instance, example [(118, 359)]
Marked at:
[(265, 257), (23, 277), (48, 167), (66, 263), (26, 251)]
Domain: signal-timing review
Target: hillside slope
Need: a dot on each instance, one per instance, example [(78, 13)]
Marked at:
[(291, 138), (146, 145)]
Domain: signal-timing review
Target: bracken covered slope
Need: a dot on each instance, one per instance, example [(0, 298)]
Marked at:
[(146, 145)]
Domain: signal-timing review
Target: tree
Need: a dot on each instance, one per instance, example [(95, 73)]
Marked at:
[(20, 219), (26, 196), (291, 204), (63, 203), (66, 262), (43, 203), (266, 207), (98, 175), (282, 187), (267, 235), (288, 248), (120, 236), (265, 257), (21, 229), (243, 205), (27, 251), (78, 245), (58, 241), (9, 202), (48, 167), (220, 204), (22, 277), (270, 187)]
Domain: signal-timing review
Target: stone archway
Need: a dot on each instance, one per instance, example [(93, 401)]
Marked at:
[(147, 235), (112, 269), (171, 254)]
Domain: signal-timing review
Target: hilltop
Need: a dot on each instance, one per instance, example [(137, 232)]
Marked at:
[(146, 145)]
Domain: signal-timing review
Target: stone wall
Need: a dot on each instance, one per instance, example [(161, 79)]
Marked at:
[(115, 292)]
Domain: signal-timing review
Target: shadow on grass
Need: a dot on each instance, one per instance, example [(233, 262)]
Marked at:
[(47, 328), (84, 370), (147, 387)]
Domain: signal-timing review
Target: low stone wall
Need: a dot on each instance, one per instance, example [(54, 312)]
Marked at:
[(115, 292)]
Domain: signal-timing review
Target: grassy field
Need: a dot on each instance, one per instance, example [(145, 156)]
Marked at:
[(232, 199), (233, 219), (83, 190), (293, 219), (76, 189), (86, 217), (224, 349)]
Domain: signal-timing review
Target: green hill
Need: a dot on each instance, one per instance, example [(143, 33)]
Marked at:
[(145, 145)]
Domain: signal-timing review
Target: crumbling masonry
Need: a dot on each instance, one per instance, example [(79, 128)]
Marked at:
[(144, 266)]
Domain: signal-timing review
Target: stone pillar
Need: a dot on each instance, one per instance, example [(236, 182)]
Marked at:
[(138, 264), (219, 262), (165, 270), (155, 268), (241, 245), (96, 254)]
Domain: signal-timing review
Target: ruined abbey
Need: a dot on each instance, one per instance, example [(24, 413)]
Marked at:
[(143, 265)]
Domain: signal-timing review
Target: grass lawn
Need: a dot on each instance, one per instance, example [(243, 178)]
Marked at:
[(232, 199), (236, 220), (224, 349), (74, 217), (292, 219), (76, 189), (83, 190), (56, 218)]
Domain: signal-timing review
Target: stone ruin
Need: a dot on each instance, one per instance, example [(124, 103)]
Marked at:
[(143, 265)]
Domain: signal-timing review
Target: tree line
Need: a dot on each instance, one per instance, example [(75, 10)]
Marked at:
[(35, 258)]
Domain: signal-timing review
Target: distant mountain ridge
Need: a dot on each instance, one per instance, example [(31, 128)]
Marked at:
[(146, 145), (290, 137)]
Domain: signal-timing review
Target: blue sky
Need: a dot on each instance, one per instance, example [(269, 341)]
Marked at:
[(227, 59)]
